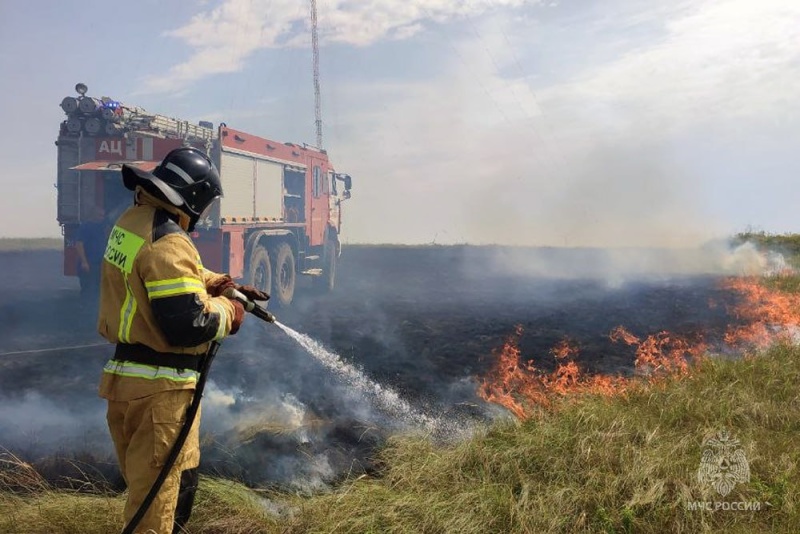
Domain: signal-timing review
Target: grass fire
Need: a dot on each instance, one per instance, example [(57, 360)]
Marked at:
[(461, 267), (522, 404), (764, 315)]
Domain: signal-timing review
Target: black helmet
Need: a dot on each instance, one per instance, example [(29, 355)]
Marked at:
[(185, 178)]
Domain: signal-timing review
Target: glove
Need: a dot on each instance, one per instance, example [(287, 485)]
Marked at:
[(216, 288), (224, 282), (238, 316), (251, 292)]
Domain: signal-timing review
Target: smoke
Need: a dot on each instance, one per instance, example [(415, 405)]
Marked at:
[(263, 439), (483, 159), (419, 322), (616, 266), (747, 259), (609, 198), (40, 425), (284, 409), (546, 131)]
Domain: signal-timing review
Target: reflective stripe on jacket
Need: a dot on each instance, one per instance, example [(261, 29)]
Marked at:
[(149, 372)]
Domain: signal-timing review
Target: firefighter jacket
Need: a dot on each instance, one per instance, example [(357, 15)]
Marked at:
[(153, 293)]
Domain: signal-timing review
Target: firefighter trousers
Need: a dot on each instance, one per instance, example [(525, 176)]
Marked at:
[(143, 431)]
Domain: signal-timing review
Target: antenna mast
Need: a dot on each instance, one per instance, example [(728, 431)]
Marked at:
[(315, 55)]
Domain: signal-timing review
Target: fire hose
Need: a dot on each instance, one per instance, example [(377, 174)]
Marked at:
[(191, 411)]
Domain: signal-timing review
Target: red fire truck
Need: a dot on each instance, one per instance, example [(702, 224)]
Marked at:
[(280, 216)]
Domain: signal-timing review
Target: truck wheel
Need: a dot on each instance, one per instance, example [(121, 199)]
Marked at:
[(285, 275), (327, 281), (259, 271)]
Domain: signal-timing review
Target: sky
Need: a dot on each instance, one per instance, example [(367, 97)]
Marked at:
[(557, 123)]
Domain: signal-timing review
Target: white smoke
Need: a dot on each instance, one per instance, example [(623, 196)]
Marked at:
[(617, 265), (41, 425), (746, 259)]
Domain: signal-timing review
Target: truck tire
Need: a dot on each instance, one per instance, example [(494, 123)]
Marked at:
[(259, 270), (285, 275), (327, 281)]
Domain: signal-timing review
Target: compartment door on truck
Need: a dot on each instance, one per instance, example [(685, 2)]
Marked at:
[(253, 188), (319, 194)]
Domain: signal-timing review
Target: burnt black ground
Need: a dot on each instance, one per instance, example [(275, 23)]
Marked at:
[(423, 320)]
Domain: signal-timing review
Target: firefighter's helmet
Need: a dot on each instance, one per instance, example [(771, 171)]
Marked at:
[(186, 178)]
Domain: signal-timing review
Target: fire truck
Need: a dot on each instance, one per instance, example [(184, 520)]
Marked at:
[(279, 217)]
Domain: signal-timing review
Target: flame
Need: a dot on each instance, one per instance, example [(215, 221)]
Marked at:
[(764, 315), (564, 349), (507, 380), (620, 334), (519, 387), (767, 315), (660, 354)]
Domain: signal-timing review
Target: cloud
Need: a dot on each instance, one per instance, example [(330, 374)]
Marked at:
[(222, 38), (475, 155), (718, 60), (491, 150)]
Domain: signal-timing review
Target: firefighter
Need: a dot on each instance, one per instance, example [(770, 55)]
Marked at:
[(90, 244), (162, 309)]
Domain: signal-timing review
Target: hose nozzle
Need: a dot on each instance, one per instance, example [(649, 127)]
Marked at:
[(249, 305)]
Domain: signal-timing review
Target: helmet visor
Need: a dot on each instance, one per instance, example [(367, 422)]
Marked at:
[(208, 208)]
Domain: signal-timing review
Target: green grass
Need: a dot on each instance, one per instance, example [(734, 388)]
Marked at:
[(9, 244)]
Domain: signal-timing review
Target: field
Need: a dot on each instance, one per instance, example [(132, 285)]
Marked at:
[(10, 244), (424, 321)]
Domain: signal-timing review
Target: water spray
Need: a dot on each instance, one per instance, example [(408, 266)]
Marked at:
[(386, 398)]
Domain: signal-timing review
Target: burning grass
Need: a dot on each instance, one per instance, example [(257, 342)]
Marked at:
[(767, 312), (523, 388), (620, 464), (597, 464), (623, 459)]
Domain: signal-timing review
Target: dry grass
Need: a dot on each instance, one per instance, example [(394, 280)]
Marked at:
[(595, 464), (29, 505), (624, 465)]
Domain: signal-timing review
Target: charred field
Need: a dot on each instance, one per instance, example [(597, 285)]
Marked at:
[(424, 321)]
